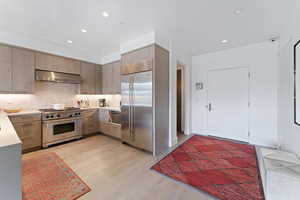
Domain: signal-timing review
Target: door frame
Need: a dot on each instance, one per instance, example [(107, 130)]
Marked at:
[(181, 66), (249, 103)]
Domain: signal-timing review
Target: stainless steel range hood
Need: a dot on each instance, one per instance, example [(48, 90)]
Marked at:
[(57, 77)]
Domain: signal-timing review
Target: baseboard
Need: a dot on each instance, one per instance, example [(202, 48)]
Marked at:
[(174, 142)]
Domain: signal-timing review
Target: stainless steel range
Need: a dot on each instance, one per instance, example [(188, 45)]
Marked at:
[(60, 126)]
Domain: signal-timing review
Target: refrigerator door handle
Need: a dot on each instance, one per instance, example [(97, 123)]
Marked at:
[(133, 110), (130, 107)]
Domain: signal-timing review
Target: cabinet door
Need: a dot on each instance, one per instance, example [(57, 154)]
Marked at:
[(44, 61), (59, 64), (5, 68), (115, 131), (107, 80), (117, 77), (22, 70), (111, 129), (88, 75), (56, 63), (30, 134), (73, 66), (138, 55), (105, 127), (99, 80), (65, 65), (90, 122)]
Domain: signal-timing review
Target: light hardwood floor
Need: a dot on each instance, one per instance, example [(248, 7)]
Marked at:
[(115, 171)]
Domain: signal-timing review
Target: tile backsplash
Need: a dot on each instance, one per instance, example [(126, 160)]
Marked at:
[(47, 93), (111, 100)]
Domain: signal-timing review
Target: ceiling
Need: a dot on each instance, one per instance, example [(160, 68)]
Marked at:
[(197, 25)]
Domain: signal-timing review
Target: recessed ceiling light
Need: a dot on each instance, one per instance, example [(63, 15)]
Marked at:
[(237, 12), (70, 41), (105, 14), (224, 41), (83, 30)]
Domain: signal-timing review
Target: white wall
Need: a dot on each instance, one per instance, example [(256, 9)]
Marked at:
[(262, 61), (289, 133), (179, 54)]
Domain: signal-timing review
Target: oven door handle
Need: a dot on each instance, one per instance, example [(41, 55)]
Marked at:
[(60, 121)]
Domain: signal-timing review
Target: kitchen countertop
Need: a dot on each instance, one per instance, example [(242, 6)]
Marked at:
[(30, 112), (118, 109), (8, 135), (24, 112)]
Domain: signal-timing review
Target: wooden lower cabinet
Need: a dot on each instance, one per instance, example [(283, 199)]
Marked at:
[(30, 134), (111, 129), (116, 130), (29, 130), (90, 122)]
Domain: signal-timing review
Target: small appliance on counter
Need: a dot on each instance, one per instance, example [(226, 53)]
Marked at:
[(83, 103), (102, 102)]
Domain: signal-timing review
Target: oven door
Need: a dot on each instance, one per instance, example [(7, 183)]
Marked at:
[(56, 130)]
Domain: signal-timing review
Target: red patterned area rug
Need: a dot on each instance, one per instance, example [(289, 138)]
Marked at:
[(48, 177), (224, 169)]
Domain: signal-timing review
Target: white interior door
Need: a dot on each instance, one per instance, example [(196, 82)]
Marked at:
[(228, 103)]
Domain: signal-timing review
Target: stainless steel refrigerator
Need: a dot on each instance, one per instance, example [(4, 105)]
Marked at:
[(137, 110)]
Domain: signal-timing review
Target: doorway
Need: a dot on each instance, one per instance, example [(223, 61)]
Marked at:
[(179, 100), (228, 103)]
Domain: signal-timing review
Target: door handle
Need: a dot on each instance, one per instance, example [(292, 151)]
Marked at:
[(209, 107)]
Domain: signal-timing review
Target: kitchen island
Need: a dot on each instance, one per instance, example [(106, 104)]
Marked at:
[(10, 160)]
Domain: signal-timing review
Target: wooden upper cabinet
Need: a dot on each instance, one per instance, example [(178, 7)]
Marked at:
[(117, 77), (138, 55), (66, 65), (111, 78), (16, 70), (56, 63), (88, 75), (22, 70), (5, 68), (43, 61), (107, 78), (99, 84), (75, 66)]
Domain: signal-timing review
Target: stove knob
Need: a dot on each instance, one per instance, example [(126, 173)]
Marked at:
[(52, 116), (47, 116), (58, 115), (79, 113), (71, 115)]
